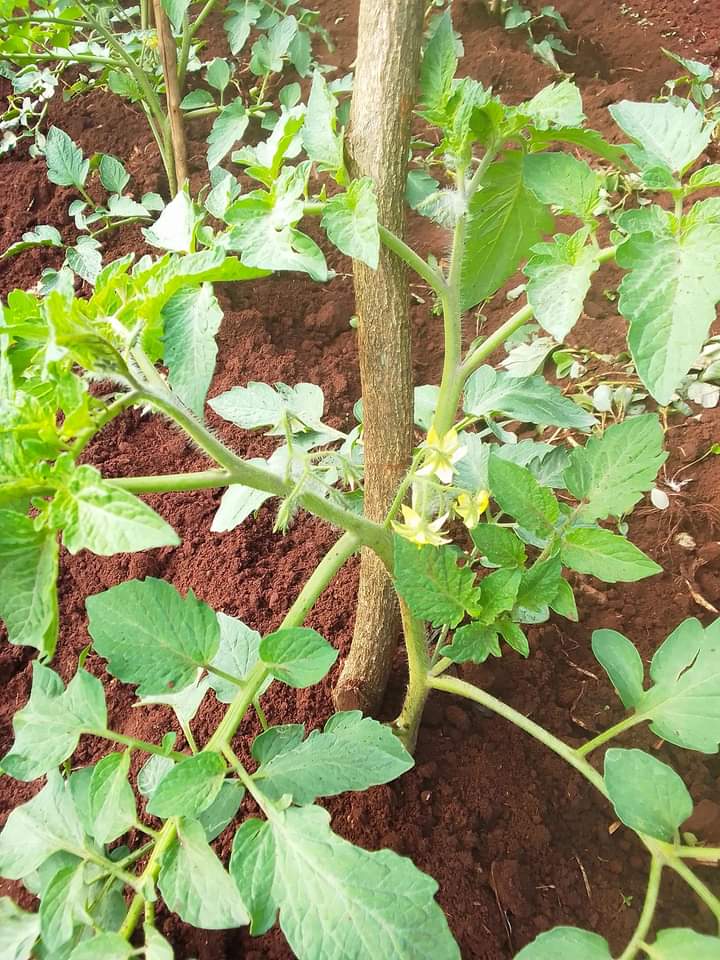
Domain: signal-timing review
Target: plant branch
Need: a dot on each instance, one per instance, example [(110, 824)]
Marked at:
[(648, 910), (408, 723), (609, 734), (698, 887), (136, 744)]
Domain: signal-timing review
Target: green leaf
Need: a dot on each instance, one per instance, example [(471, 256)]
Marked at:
[(564, 602), (228, 127), (344, 903), (85, 258), (197, 99), (672, 133), (65, 163), (39, 828), (113, 175), (611, 472), (109, 946), (62, 907), (174, 229), (589, 140), (683, 944), (176, 10), (648, 796), (350, 220), (192, 318), (684, 703), (218, 74), (238, 503), (28, 597), (514, 637), (156, 946), (439, 63), (557, 105), (622, 663), (18, 931), (353, 753), (504, 221), (222, 811), (566, 943), (474, 642), (298, 656), (319, 138), (112, 801), (527, 399), (237, 654), (269, 51), (252, 866), (500, 545), (539, 587), (260, 405), (189, 870), (189, 788), (151, 635), (559, 275), (433, 585), (605, 555), (705, 178), (563, 181), (98, 516), (519, 494), (40, 236), (151, 773), (49, 726), (420, 185), (245, 14), (185, 703), (498, 592), (669, 299)]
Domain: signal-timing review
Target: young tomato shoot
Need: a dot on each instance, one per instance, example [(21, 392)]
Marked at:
[(484, 531)]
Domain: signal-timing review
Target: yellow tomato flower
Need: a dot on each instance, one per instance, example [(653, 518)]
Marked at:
[(472, 507), (442, 455), (419, 529)]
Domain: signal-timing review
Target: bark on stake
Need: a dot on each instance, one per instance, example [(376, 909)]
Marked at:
[(168, 56), (389, 39)]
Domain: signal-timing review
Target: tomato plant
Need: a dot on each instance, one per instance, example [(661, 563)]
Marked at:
[(479, 540)]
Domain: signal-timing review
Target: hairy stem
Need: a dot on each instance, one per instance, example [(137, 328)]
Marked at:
[(648, 911), (220, 741), (407, 724), (608, 734)]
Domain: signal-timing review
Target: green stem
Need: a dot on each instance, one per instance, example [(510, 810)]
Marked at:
[(480, 354), (408, 723), (110, 412), (260, 713), (225, 676), (462, 689), (608, 734), (698, 887), (371, 534), (325, 571), (60, 58), (36, 18), (648, 911), (136, 744), (171, 482)]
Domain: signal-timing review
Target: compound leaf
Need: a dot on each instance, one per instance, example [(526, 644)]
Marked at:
[(151, 635), (298, 656), (559, 275), (528, 399), (504, 221), (352, 753), (566, 943), (648, 796), (520, 495), (605, 555), (432, 583), (345, 903), (192, 318), (350, 220), (611, 472), (621, 661), (49, 726), (111, 798), (189, 787), (189, 870), (98, 516), (28, 597)]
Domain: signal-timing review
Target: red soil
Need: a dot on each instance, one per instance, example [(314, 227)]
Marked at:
[(517, 842)]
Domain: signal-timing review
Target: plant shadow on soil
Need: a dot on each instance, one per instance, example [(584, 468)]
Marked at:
[(517, 842)]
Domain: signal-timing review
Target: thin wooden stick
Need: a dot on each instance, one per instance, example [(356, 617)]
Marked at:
[(168, 56)]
